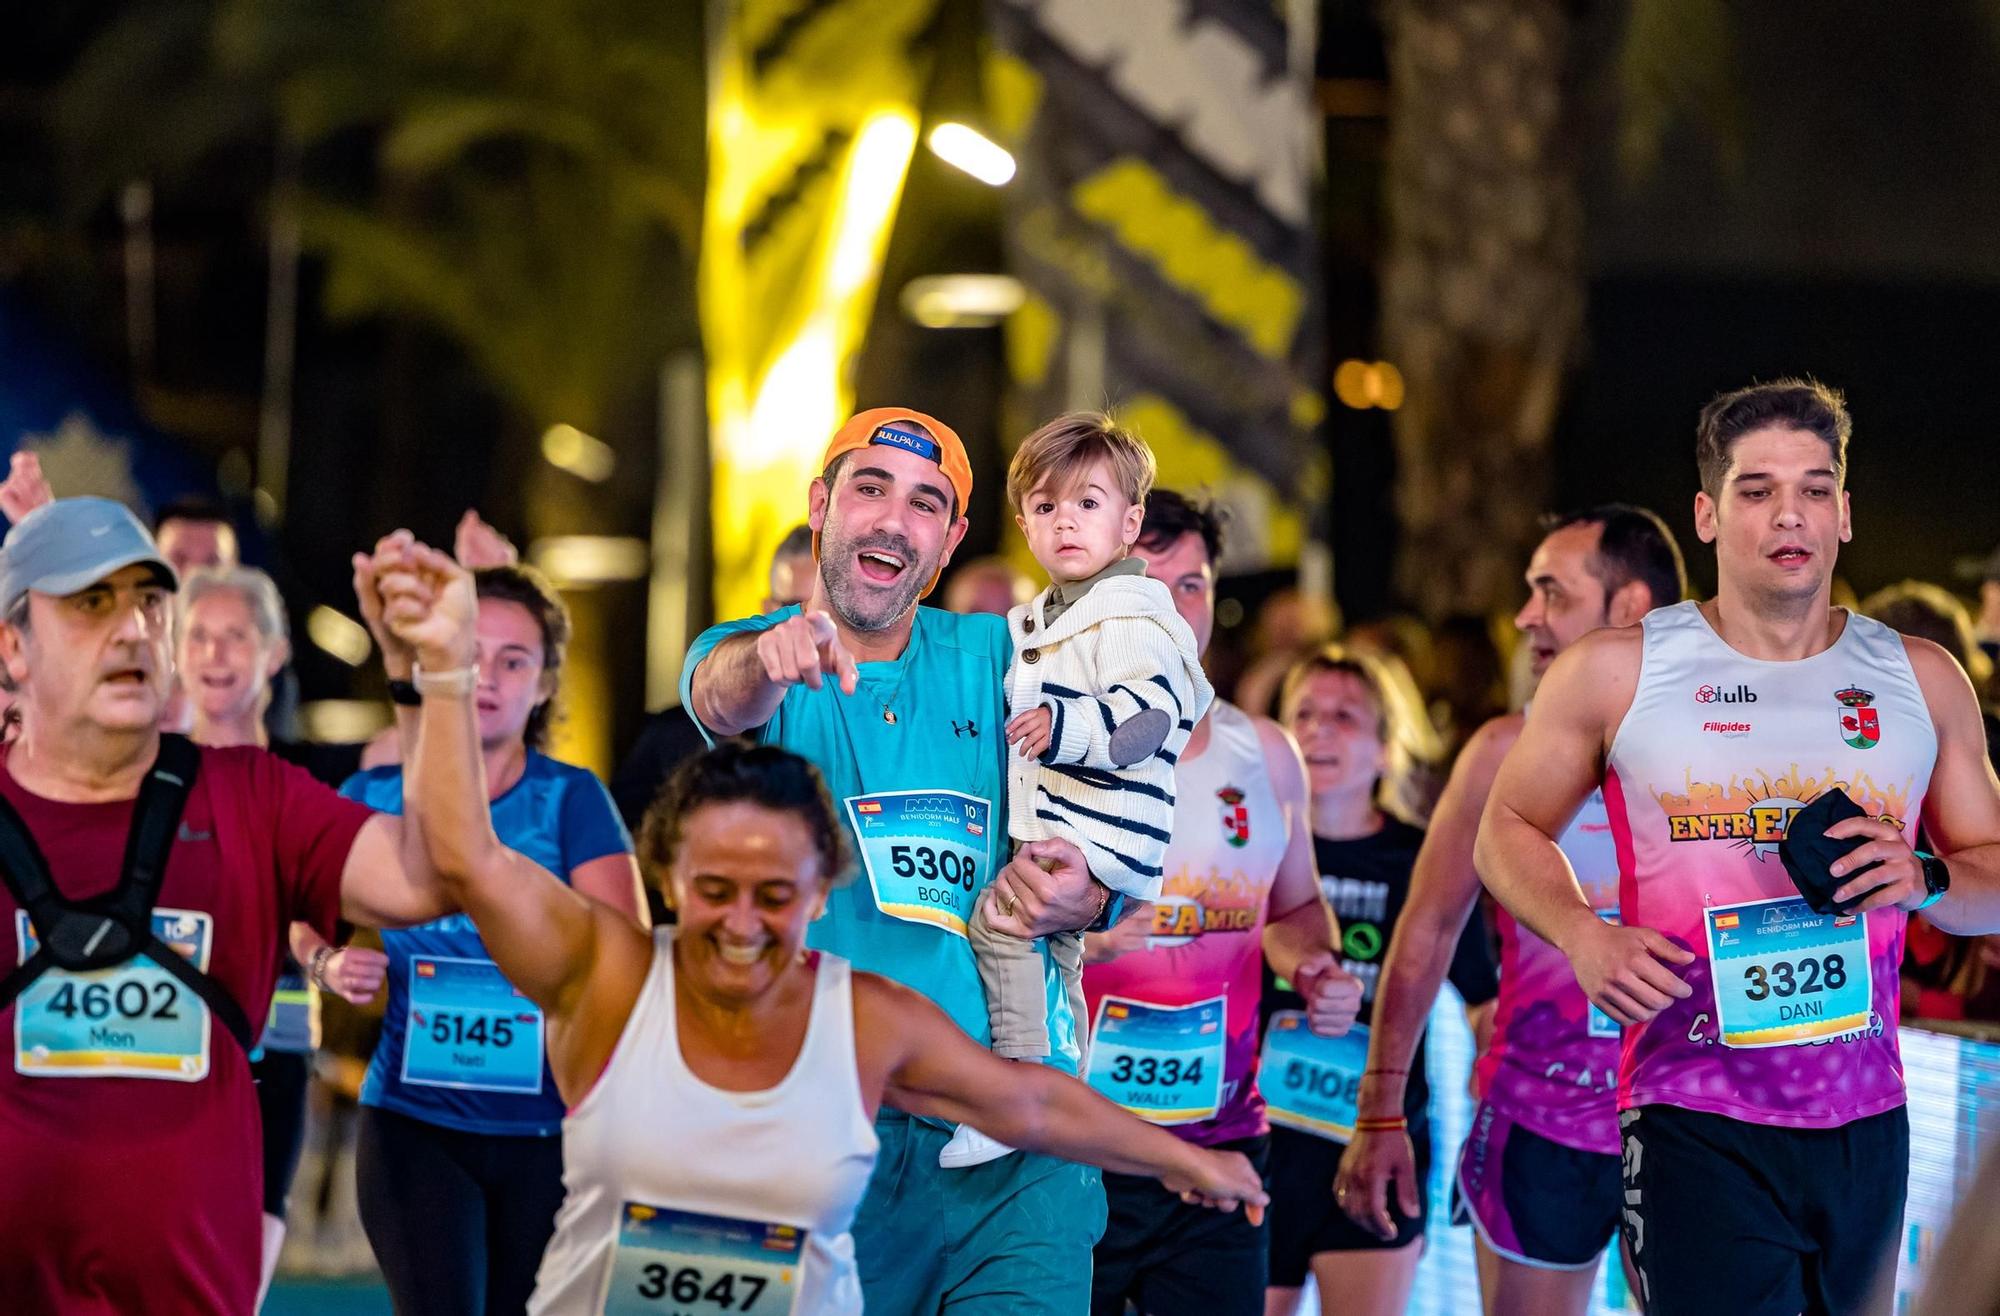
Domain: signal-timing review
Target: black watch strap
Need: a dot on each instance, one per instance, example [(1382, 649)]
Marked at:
[(406, 694), (1937, 877)]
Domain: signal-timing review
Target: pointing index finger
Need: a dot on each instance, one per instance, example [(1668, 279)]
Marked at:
[(844, 665)]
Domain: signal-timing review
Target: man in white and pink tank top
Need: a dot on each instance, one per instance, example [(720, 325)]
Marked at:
[(1174, 1002), (1538, 1175), (1766, 1149)]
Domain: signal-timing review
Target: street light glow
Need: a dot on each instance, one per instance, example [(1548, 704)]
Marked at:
[(972, 151)]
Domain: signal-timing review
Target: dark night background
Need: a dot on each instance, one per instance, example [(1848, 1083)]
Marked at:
[(1840, 227)]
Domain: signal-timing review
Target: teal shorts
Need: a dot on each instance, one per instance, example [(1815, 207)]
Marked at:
[(1012, 1237)]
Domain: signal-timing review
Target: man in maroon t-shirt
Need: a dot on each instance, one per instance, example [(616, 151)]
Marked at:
[(129, 1158)]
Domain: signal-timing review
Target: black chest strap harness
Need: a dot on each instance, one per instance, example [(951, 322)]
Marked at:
[(105, 931)]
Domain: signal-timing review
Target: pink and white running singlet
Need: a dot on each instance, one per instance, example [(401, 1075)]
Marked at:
[(1552, 1067), (1793, 1017), (1208, 936)]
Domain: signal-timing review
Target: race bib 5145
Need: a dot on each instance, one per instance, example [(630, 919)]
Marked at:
[(468, 1027)]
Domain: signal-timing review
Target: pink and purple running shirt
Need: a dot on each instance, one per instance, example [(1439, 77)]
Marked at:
[(1552, 1066), (1793, 1018)]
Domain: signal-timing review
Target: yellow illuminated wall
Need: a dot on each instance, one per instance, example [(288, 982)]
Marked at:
[(812, 122)]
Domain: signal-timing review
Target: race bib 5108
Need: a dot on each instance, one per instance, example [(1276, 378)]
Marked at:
[(1312, 1083)]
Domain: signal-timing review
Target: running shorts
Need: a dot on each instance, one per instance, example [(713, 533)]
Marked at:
[(1754, 1220), (1306, 1221), (1170, 1259), (1533, 1200)]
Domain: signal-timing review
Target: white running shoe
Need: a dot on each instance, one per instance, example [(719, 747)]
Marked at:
[(969, 1147)]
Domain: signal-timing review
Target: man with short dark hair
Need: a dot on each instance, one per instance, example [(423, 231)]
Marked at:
[(1241, 885), (1760, 1089), (195, 534), (128, 1126)]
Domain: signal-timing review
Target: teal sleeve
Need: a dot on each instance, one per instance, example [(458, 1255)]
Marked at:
[(705, 643)]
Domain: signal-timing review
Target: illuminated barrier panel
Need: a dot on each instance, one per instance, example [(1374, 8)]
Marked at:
[(1160, 225), (811, 125), (1954, 1095)]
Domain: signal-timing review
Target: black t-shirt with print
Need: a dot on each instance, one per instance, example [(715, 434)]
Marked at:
[(1367, 882)]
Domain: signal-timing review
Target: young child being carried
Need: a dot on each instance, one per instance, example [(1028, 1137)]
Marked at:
[(1105, 687)]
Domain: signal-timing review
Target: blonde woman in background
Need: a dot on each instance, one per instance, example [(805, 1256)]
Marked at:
[(1361, 727)]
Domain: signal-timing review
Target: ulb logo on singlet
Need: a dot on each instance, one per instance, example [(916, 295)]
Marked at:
[(1860, 725), (1235, 816)]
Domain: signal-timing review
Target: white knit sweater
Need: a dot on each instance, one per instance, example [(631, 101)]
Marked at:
[(1122, 679)]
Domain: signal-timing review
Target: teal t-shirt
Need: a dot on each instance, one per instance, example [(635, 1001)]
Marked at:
[(916, 760)]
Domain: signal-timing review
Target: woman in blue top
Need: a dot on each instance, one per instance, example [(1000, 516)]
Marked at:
[(460, 1159)]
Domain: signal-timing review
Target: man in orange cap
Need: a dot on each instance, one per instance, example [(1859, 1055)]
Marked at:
[(902, 708)]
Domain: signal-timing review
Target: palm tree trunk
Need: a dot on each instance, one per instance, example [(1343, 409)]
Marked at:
[(1483, 293)]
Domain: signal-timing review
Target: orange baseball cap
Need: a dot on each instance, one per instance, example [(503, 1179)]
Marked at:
[(913, 432)]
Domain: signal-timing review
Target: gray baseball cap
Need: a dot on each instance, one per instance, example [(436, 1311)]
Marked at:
[(72, 543)]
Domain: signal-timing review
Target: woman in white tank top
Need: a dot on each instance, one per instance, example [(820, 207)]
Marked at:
[(722, 1083)]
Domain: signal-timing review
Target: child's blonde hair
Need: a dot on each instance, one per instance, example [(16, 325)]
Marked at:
[(1061, 453)]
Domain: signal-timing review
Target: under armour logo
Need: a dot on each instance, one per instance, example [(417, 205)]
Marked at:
[(968, 728)]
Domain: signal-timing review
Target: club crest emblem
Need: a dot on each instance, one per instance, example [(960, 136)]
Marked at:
[(1860, 721), (1235, 816)]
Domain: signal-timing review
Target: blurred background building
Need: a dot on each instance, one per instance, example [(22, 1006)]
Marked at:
[(1387, 279)]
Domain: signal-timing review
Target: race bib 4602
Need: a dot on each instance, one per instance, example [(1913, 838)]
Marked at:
[(1785, 975), (925, 853), (134, 1021)]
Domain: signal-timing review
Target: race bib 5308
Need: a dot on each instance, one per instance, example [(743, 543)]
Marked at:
[(1785, 975), (134, 1021), (925, 853)]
